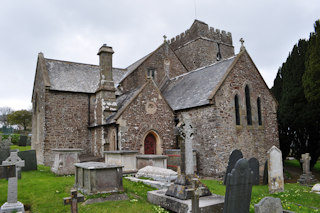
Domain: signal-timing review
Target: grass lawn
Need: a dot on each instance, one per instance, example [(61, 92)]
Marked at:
[(43, 192), (21, 148)]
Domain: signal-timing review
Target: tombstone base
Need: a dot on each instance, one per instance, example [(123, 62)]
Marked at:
[(307, 179), (12, 207), (212, 203), (182, 188)]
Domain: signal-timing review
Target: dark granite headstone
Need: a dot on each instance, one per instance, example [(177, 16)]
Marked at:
[(23, 140), (30, 159), (233, 158), (265, 173), (238, 188), (254, 166), (7, 171)]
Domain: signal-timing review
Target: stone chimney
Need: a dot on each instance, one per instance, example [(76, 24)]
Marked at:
[(105, 94), (105, 63)]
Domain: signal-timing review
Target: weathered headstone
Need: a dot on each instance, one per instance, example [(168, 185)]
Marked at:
[(275, 170), (306, 178), (254, 166), (73, 200), (4, 150), (30, 159), (23, 140), (238, 188), (268, 205), (12, 203), (265, 173), (233, 158)]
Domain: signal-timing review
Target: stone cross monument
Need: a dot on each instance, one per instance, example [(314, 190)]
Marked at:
[(182, 187), (12, 203), (306, 178)]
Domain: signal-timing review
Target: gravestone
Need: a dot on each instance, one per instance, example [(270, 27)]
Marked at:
[(12, 203), (238, 188), (7, 171), (73, 200), (195, 196), (30, 159), (306, 178), (275, 170), (265, 173), (23, 140), (64, 160), (254, 166), (268, 205), (233, 158), (4, 150), (182, 187)]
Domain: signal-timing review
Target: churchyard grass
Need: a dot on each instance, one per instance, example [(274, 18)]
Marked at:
[(295, 197), (43, 191), (21, 148), (296, 163)]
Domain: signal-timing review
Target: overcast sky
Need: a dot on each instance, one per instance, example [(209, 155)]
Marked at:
[(74, 30)]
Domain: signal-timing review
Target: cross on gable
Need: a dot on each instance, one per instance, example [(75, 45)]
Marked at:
[(14, 159), (242, 41), (73, 200)]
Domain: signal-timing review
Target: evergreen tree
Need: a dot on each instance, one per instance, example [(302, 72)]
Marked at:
[(298, 114)]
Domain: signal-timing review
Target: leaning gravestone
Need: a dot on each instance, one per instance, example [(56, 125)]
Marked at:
[(254, 166), (268, 205), (23, 140), (233, 158), (30, 159), (12, 204), (275, 170), (238, 188)]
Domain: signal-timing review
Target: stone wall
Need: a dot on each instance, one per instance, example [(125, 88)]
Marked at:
[(217, 133), (38, 109), (201, 52), (66, 122), (163, 60), (147, 112)]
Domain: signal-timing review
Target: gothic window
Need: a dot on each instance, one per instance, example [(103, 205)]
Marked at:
[(237, 110), (259, 111), (152, 73), (248, 106)]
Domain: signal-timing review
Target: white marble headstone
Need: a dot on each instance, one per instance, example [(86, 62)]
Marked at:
[(275, 170)]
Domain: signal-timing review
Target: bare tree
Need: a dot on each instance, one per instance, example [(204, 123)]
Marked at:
[(4, 112)]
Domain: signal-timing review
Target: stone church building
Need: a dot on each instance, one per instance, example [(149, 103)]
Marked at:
[(195, 76)]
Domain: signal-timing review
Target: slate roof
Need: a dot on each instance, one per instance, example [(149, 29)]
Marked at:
[(77, 77), (194, 88)]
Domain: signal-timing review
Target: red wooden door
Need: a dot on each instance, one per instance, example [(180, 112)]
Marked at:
[(150, 144)]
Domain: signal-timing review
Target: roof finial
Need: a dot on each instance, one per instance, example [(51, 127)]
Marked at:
[(164, 39), (242, 46)]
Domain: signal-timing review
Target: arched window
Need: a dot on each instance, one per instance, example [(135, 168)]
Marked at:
[(248, 106), (259, 111), (237, 110)]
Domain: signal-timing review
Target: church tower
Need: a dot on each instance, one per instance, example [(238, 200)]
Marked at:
[(202, 45)]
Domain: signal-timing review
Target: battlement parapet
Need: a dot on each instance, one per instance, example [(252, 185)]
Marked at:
[(200, 29)]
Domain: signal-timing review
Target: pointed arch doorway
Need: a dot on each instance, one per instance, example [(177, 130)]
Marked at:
[(150, 144)]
